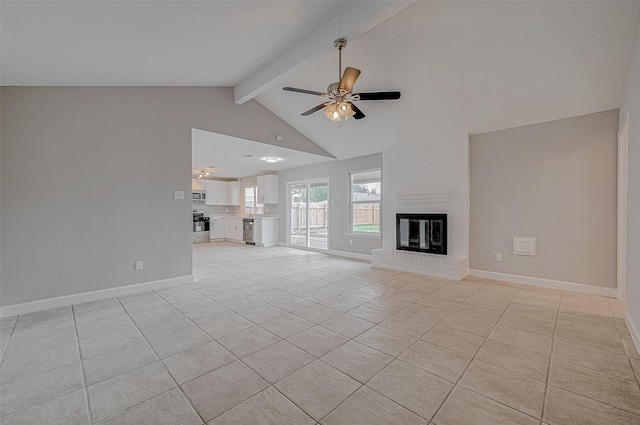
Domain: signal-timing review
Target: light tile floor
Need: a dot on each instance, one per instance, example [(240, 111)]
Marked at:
[(283, 336)]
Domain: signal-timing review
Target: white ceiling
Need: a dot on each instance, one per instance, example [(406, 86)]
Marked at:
[(224, 156), (469, 67), (131, 43), (461, 66)]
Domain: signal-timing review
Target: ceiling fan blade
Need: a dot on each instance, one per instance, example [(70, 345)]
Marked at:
[(314, 109), (293, 89), (349, 77), (358, 113), (381, 95)]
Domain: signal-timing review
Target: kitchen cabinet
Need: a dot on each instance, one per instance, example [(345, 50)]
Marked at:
[(234, 193), (217, 192), (222, 193), (217, 228), (265, 231), (197, 184), (268, 190), (233, 229)]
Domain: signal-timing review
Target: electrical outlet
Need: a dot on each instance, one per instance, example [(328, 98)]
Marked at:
[(332, 202), (350, 241), (178, 194), (139, 265), (498, 257), (227, 210)]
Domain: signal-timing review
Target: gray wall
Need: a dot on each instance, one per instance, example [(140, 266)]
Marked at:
[(631, 106), (338, 174), (88, 175), (554, 181)]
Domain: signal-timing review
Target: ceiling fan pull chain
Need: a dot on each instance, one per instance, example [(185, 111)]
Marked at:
[(339, 63)]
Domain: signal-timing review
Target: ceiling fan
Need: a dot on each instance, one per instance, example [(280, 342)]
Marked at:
[(340, 97)]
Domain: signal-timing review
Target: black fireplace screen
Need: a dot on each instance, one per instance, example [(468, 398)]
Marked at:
[(422, 233)]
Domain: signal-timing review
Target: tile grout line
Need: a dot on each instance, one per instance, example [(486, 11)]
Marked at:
[(316, 359), (85, 388), (376, 282), (474, 358), (6, 348), (43, 372), (553, 344), (547, 384), (398, 358), (161, 362), (237, 359), (556, 310), (633, 369), (139, 367)]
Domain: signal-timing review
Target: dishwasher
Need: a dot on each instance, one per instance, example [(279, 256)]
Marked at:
[(247, 231)]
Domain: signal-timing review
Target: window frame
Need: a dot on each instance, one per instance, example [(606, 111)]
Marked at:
[(256, 208), (351, 231)]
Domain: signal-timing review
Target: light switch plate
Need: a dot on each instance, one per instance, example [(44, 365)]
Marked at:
[(178, 194), (524, 246)]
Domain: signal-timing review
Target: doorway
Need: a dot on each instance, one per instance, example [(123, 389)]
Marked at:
[(308, 214)]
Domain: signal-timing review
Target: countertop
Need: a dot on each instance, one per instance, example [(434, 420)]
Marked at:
[(240, 216)]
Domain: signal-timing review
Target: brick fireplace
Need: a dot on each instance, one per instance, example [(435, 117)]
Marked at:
[(427, 178)]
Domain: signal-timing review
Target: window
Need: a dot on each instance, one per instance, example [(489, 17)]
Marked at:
[(250, 205), (365, 202)]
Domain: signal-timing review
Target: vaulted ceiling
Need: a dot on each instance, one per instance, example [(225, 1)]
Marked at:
[(461, 66)]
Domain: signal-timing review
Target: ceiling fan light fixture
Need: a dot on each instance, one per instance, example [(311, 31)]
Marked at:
[(332, 111), (345, 110)]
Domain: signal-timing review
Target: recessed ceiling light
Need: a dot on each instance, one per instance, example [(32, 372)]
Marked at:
[(272, 159), (247, 156)]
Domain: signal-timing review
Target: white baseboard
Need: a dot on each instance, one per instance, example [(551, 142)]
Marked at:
[(31, 306), (634, 330), (546, 283), (349, 254), (332, 252)]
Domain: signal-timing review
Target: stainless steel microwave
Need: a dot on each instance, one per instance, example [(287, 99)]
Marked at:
[(199, 196)]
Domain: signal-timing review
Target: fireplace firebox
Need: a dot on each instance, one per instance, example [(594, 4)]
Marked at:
[(422, 233)]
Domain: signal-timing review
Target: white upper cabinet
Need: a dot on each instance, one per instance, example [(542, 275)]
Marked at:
[(217, 192), (234, 193), (197, 184), (268, 190)]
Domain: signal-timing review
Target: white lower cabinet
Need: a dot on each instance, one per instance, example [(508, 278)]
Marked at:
[(217, 228), (265, 231), (233, 229)]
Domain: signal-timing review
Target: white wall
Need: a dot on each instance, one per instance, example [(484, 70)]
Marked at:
[(88, 175), (338, 174), (631, 106), (555, 182)]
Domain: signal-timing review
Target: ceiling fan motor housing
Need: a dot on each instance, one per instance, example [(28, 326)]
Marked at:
[(333, 88)]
